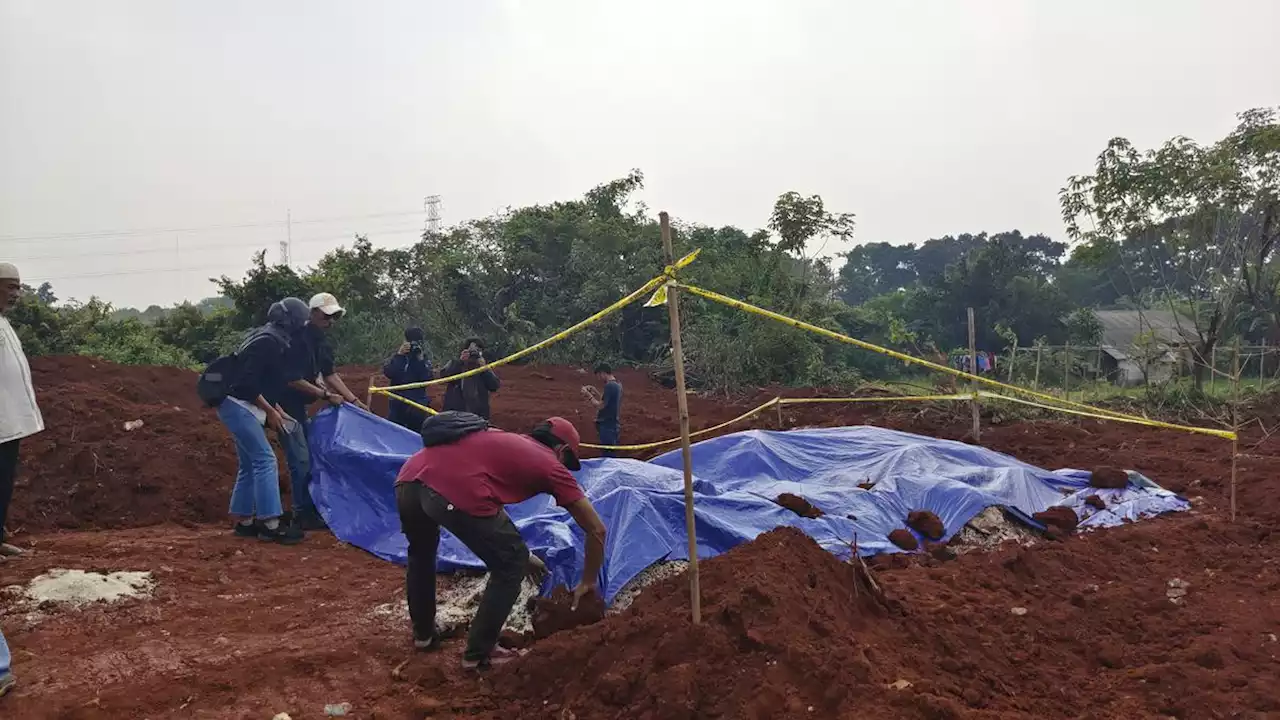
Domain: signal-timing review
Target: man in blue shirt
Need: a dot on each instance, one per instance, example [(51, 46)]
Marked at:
[(409, 365), (609, 407)]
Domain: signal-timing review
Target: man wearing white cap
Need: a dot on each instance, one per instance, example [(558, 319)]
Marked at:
[(19, 418), (311, 375)]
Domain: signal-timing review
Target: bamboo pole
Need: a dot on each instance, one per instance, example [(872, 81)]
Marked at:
[(1262, 365), (682, 404), (1235, 423), (1035, 382), (973, 368)]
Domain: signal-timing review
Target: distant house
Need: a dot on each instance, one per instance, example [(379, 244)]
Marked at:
[(1142, 346)]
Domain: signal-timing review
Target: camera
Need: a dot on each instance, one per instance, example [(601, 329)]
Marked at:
[(415, 347), (473, 354)]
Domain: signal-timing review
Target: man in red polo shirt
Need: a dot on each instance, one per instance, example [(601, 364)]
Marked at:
[(460, 481)]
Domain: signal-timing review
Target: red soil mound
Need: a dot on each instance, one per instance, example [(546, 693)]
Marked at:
[(87, 471), (1109, 478), (1094, 501), (798, 505), (904, 539), (783, 631), (927, 524)]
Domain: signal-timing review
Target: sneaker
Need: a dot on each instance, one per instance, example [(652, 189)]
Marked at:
[(283, 534), (7, 681), (498, 656), (431, 643), (310, 521), (7, 550), (246, 531)]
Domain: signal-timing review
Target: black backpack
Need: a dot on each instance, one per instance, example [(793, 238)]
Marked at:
[(215, 383), (220, 376), (450, 427)]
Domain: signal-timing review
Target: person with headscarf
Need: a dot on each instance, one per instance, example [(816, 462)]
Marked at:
[(410, 364), (261, 373)]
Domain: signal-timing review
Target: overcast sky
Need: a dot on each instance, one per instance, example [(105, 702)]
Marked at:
[(924, 118)]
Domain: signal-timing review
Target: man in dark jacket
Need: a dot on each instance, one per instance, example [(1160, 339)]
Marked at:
[(470, 394), (409, 365)]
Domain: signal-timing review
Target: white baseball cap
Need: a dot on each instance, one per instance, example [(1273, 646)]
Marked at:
[(327, 304), (9, 271)]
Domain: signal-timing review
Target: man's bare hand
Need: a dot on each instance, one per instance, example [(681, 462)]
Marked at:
[(537, 569), (583, 589)]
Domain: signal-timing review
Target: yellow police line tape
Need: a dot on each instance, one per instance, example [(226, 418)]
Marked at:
[(653, 284), (744, 416), (1225, 434), (1057, 403)]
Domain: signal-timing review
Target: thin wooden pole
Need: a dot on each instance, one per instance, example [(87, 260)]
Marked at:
[(780, 416), (1235, 423), (682, 403), (1066, 371), (973, 369), (1013, 358), (1262, 365), (1035, 382), (1213, 368)]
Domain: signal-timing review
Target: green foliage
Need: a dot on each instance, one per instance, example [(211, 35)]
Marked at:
[(1084, 328)]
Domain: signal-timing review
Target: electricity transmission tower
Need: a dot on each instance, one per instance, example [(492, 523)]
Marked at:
[(286, 245), (432, 206)]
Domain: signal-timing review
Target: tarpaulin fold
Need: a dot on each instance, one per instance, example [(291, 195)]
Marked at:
[(356, 456)]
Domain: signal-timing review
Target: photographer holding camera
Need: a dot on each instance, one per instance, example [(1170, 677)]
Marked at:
[(470, 394), (409, 365)]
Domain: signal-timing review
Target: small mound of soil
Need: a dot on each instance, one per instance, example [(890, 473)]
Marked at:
[(1109, 478), (555, 612), (927, 524), (866, 485), (1061, 520), (904, 539), (798, 505), (784, 629), (1094, 501)]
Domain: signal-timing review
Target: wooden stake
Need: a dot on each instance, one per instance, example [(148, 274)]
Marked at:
[(780, 416), (1035, 382), (1235, 425), (682, 404), (1262, 365), (1213, 368), (973, 369), (1066, 371)]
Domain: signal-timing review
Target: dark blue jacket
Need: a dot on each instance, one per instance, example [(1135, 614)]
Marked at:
[(405, 369)]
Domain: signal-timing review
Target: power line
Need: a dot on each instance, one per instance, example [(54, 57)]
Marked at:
[(150, 271), (218, 246), (99, 234)]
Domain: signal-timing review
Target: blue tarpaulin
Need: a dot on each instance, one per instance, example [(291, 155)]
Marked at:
[(356, 455)]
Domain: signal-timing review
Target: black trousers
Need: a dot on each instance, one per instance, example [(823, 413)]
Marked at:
[(493, 539), (8, 474)]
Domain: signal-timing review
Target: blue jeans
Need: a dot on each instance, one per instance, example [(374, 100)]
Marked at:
[(298, 457), (4, 656), (610, 434), (257, 490)]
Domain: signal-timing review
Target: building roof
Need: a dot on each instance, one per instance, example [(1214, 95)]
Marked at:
[(1120, 328)]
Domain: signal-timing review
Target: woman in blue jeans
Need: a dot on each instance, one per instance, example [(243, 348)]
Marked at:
[(260, 371)]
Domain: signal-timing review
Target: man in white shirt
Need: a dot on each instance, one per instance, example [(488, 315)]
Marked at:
[(19, 414), (19, 418)]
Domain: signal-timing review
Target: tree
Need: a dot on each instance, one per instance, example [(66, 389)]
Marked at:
[(1186, 226), (875, 269)]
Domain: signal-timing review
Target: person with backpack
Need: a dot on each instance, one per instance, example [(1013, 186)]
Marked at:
[(410, 364), (238, 385), (460, 481)]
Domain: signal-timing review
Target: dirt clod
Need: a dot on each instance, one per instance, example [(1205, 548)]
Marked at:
[(927, 524), (1094, 501), (1109, 478), (555, 612), (904, 539), (1060, 520), (798, 505)]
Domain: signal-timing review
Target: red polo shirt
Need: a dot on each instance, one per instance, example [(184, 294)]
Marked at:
[(486, 470)]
